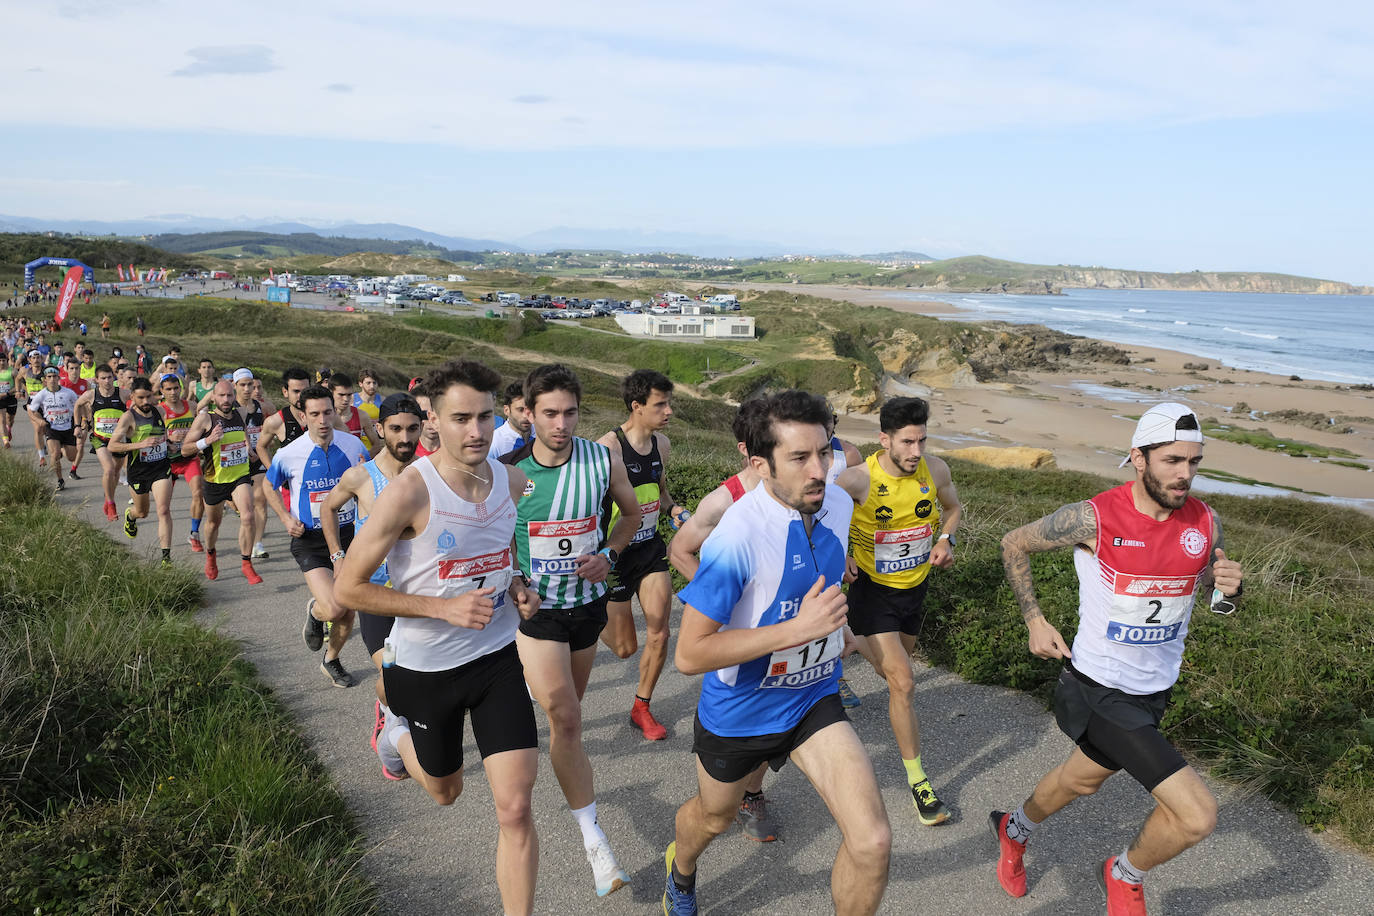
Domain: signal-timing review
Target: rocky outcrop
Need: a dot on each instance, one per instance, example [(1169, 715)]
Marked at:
[(1017, 456)]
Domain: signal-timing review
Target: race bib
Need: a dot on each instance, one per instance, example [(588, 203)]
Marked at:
[(4, 388), (648, 522), (900, 550), (555, 546), (317, 498), (233, 454), (1149, 610), (105, 426), (156, 453), (492, 570), (59, 418), (803, 665), (253, 433)]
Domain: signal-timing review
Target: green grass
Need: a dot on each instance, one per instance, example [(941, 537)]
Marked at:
[(1264, 439), (145, 770)]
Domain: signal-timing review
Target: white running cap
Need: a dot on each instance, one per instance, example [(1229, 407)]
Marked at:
[(1159, 425), (241, 374)]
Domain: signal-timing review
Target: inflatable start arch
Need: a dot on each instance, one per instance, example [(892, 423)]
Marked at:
[(29, 268)]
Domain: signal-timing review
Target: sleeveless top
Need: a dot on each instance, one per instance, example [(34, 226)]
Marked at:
[(893, 531), (379, 481), (1136, 590), (147, 426), (182, 420), (226, 461), (736, 488), (291, 430), (838, 463), (560, 519), (645, 472), (252, 426), (463, 546), (6, 383), (105, 412)]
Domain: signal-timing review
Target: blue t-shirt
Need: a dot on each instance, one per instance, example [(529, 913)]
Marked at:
[(756, 566), (310, 472)]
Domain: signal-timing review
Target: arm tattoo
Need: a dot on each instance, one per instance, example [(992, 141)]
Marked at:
[(1075, 523)]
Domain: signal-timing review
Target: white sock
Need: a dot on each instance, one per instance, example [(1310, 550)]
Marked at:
[(1019, 826), (591, 831), (1123, 870), (387, 714), (396, 726)]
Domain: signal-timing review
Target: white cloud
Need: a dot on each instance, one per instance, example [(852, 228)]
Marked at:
[(231, 60)]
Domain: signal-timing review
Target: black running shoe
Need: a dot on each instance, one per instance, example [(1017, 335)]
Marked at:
[(71, 472), (130, 524), (929, 809), (334, 670), (313, 631)]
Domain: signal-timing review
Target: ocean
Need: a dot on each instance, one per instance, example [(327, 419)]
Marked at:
[(1313, 337)]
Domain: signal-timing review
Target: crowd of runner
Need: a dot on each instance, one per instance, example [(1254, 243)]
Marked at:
[(482, 548)]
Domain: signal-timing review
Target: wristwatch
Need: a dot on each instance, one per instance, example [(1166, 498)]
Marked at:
[(611, 554), (946, 536)]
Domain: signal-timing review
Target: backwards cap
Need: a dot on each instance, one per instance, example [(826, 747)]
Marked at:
[(399, 403), (1159, 425)]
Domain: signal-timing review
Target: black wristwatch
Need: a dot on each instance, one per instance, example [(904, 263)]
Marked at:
[(611, 554)]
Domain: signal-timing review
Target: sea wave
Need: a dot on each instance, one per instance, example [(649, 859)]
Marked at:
[(1180, 322), (1251, 333), (1142, 311)]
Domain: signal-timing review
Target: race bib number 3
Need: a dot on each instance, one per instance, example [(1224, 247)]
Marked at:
[(1149, 610), (555, 546), (648, 522), (803, 665), (900, 550)]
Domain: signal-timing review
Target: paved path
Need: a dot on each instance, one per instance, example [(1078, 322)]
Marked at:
[(985, 747)]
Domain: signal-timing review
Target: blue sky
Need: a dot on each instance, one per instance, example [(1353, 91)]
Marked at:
[(1182, 136)]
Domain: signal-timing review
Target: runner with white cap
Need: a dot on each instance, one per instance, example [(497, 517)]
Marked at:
[(1142, 552)]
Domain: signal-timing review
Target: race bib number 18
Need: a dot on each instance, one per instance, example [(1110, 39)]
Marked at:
[(555, 546), (233, 454)]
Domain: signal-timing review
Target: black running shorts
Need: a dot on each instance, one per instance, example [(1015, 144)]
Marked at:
[(63, 437), (216, 493), (877, 608), (1116, 730), (634, 566), (375, 629), (311, 552), (434, 702), (142, 475), (731, 759), (579, 627), (10, 405)]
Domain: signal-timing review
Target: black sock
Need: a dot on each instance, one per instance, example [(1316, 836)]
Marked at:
[(166, 553), (209, 551), (751, 796), (684, 882), (246, 557), (641, 699)]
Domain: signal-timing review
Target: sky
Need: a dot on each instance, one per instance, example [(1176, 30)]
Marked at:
[(1162, 136)]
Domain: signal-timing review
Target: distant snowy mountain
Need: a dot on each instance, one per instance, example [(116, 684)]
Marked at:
[(634, 240)]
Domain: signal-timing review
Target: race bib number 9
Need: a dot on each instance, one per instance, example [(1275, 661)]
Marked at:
[(492, 570), (803, 665), (233, 454), (1149, 610), (555, 546), (900, 550), (648, 522)]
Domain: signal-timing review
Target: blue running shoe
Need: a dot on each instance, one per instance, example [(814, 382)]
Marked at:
[(848, 698), (676, 902)]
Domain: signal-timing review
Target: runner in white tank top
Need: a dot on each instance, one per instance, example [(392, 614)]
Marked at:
[(444, 527)]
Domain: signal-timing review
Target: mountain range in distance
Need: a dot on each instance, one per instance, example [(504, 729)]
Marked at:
[(557, 238)]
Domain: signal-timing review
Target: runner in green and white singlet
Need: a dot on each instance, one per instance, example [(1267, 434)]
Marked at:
[(558, 537)]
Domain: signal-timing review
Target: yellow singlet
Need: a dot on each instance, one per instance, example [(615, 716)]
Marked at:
[(892, 533)]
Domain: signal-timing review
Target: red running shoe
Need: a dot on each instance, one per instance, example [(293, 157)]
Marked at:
[(1011, 873), (1123, 897), (194, 540), (377, 725), (640, 716), (110, 512), (211, 567), (250, 573)]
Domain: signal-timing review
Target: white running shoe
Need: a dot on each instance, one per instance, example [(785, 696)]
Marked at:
[(610, 877)]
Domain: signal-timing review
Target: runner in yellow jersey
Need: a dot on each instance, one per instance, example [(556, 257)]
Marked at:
[(908, 511), (220, 436)]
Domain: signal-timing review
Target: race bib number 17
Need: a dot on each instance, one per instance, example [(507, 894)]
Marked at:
[(805, 664)]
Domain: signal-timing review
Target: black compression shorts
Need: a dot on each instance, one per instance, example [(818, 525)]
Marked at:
[(634, 566), (1116, 730)]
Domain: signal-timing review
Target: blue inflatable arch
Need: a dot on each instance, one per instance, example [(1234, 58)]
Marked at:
[(30, 267)]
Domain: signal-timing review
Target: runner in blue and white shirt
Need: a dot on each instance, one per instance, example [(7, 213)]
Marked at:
[(764, 623), (309, 467)]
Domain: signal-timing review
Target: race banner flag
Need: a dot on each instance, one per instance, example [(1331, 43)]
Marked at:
[(69, 287), (119, 269), (133, 272)]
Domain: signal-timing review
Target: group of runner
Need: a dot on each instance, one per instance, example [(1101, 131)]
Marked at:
[(483, 565)]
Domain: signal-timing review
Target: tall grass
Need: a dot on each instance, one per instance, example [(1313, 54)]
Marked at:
[(143, 769)]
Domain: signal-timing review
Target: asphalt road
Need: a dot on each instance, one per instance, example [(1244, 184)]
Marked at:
[(984, 747)]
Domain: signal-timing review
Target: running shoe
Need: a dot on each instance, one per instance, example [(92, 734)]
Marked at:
[(130, 524), (259, 551), (62, 485), (1011, 871), (929, 809), (848, 698), (166, 563), (193, 539), (123, 478), (645, 721), (211, 567), (313, 631), (393, 767), (334, 670), (42, 460), (676, 901), (71, 472), (754, 819), (378, 724), (610, 877), (110, 512), (250, 573), (1123, 897)]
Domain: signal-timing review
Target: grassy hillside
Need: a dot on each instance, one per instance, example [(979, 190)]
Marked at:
[(102, 254), (263, 244)]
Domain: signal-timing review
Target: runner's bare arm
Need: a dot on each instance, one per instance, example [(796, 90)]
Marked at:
[(271, 431), (852, 456), (682, 549), (201, 427), (526, 599), (951, 510), (1222, 573), (346, 489), (854, 480), (675, 509), (373, 432), (1075, 523), (117, 444)]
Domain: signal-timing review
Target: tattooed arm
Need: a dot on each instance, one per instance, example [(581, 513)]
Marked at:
[(1075, 523)]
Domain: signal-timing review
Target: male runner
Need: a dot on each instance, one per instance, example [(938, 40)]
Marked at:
[(515, 432), (253, 421), (429, 430), (141, 433), (88, 365), (178, 414), (309, 467), (558, 537), (203, 387), (1142, 551), (903, 498), (9, 401), (444, 529), (355, 420), (368, 399), (642, 570), (399, 418), (222, 441), (764, 621), (103, 405), (70, 375), (28, 383), (54, 408)]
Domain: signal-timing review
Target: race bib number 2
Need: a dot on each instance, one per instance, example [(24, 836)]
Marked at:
[(1149, 610), (555, 546), (805, 664)]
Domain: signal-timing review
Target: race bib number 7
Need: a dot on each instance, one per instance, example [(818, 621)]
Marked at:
[(1149, 610), (805, 664), (555, 546), (492, 570)]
